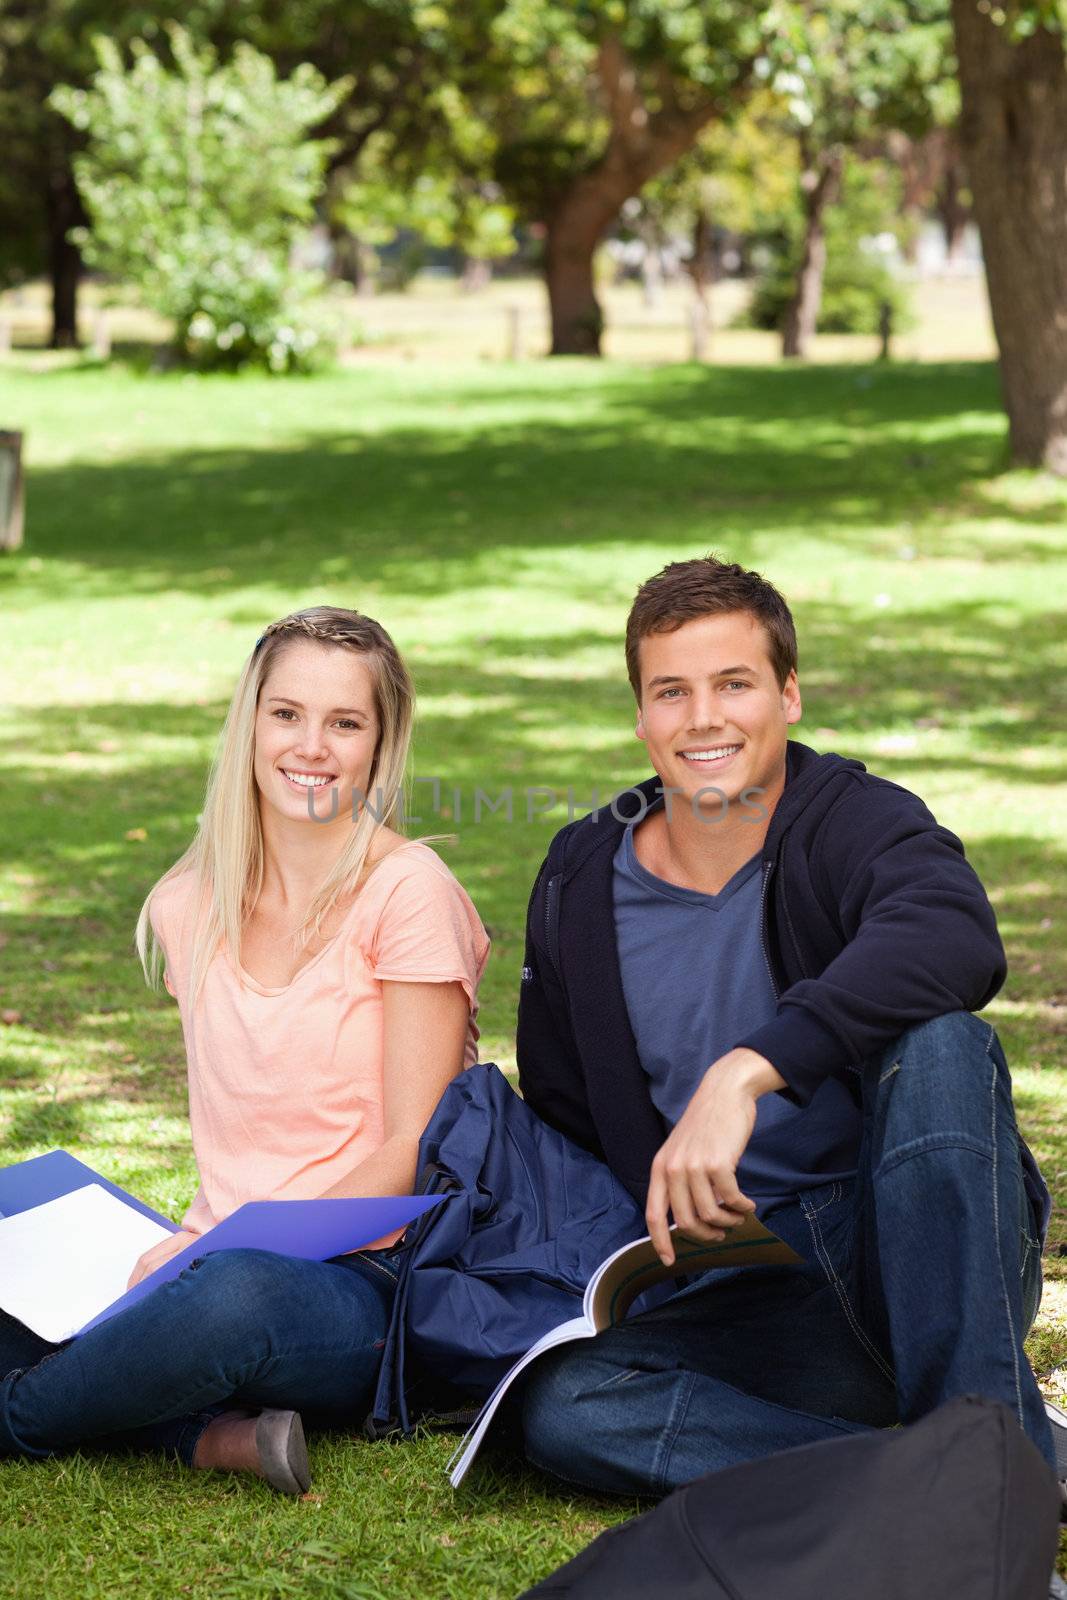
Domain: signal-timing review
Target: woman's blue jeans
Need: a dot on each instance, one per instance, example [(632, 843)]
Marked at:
[(239, 1327), (921, 1278)]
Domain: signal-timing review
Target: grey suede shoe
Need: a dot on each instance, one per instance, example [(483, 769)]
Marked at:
[(282, 1451)]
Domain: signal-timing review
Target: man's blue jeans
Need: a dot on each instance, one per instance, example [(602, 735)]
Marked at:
[(240, 1327), (921, 1278)]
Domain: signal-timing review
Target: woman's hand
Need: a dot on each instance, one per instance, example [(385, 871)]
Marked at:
[(159, 1253)]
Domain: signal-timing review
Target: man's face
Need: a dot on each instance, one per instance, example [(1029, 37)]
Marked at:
[(712, 713)]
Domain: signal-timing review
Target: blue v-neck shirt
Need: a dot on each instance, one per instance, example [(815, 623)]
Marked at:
[(696, 981)]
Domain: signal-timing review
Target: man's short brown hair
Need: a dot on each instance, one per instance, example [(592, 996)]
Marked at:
[(687, 590)]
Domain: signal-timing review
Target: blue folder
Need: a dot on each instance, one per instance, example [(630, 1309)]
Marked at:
[(313, 1230), (32, 1183)]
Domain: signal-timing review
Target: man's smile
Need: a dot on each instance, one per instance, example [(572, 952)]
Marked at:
[(709, 755)]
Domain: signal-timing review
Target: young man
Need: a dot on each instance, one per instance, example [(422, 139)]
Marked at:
[(749, 985)]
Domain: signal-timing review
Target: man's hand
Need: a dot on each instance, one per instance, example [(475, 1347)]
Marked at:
[(159, 1253), (694, 1174)]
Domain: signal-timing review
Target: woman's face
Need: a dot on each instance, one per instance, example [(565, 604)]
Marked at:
[(316, 732)]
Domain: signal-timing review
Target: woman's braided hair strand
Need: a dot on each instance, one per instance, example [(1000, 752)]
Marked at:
[(323, 633)]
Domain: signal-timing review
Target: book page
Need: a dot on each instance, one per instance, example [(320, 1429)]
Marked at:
[(577, 1328), (66, 1260), (633, 1268)]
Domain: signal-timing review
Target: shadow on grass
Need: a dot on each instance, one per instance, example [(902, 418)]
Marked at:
[(724, 455)]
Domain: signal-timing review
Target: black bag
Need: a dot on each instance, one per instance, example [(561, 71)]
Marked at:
[(959, 1506)]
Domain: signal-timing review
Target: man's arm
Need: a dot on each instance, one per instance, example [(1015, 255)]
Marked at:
[(921, 940)]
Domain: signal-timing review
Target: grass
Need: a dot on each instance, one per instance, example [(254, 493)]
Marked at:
[(497, 518)]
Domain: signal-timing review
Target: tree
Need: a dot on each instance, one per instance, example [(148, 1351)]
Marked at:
[(381, 44), (44, 43), (569, 109), (589, 104), (437, 187), (1013, 83), (739, 180), (934, 181), (38, 199), (859, 286), (845, 72), (445, 210), (198, 179)]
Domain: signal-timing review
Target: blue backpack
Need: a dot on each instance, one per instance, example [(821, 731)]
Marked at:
[(527, 1218)]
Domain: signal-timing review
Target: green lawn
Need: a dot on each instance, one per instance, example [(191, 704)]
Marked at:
[(497, 519)]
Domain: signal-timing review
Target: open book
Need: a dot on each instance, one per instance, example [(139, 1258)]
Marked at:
[(69, 1240), (612, 1290)]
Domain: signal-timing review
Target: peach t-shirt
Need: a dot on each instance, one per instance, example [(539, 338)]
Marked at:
[(286, 1084)]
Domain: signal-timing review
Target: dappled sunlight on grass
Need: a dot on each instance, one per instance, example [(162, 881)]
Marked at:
[(497, 521)]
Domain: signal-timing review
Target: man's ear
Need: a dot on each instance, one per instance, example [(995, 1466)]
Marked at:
[(791, 701), (640, 728)]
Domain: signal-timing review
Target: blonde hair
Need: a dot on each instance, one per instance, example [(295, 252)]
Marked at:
[(227, 851)]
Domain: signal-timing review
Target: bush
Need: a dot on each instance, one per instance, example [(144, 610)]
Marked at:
[(199, 180), (250, 313)]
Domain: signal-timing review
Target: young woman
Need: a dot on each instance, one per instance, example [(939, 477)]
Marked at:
[(326, 972)]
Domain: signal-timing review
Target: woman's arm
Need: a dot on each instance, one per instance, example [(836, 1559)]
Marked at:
[(425, 1033)]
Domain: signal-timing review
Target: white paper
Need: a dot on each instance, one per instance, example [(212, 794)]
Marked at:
[(63, 1262)]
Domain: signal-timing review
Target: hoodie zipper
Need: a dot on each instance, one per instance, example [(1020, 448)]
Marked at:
[(551, 941), (768, 869)]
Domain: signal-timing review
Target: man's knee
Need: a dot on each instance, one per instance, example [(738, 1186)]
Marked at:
[(946, 1038), (942, 1093), (941, 1064)]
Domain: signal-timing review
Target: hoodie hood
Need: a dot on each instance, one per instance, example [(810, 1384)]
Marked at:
[(810, 779)]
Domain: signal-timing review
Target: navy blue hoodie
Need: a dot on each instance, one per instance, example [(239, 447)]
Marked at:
[(873, 921)]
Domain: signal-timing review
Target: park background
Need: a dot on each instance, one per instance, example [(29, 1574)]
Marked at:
[(277, 295)]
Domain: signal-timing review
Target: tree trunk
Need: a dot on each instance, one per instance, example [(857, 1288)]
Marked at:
[(952, 209), (344, 259), (821, 182), (477, 274), (700, 262), (366, 266), (651, 261), (572, 234), (922, 164), (1014, 137), (641, 143), (906, 154), (12, 508), (651, 277), (64, 211)]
